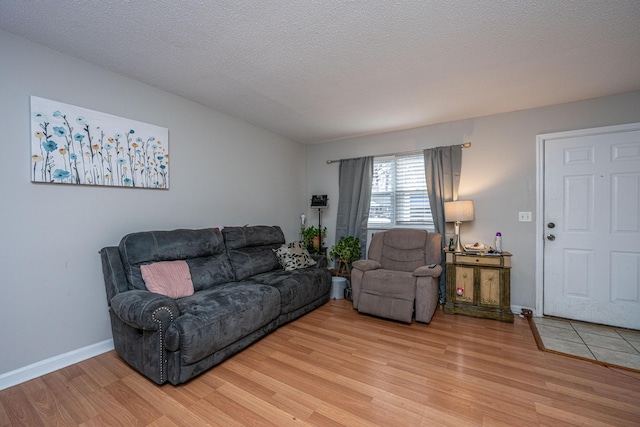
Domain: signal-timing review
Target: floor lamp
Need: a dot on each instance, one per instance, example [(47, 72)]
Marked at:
[(458, 212)]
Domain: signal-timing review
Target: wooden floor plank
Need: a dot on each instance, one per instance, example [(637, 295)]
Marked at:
[(164, 402), (232, 409), (335, 367), (43, 400), (110, 410), (18, 408), (69, 397)]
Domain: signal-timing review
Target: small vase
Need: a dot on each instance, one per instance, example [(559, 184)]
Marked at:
[(316, 242)]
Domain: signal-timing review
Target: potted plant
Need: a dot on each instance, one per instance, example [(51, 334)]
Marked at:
[(345, 251), (311, 237)]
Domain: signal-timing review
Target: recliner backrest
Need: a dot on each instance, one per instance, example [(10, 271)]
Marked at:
[(203, 250), (404, 249), (250, 249)]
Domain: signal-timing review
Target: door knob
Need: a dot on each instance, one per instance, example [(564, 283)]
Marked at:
[(551, 225), (551, 237)]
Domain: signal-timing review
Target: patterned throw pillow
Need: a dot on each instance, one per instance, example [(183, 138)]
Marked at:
[(294, 256), (170, 278)]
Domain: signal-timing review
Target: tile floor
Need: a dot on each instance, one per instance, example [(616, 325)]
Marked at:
[(616, 346)]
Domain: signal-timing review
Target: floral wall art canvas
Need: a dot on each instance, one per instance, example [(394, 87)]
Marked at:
[(74, 145)]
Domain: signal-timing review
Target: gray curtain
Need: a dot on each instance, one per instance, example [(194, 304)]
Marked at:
[(442, 166), (355, 179)]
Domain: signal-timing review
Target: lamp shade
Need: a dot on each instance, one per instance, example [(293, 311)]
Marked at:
[(460, 210)]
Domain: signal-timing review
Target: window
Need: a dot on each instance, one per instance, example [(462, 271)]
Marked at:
[(399, 193)]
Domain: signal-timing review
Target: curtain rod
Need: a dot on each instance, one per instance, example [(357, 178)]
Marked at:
[(465, 145)]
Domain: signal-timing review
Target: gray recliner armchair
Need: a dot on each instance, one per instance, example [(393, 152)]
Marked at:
[(396, 281)]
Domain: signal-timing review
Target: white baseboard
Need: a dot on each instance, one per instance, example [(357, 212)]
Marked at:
[(54, 363)]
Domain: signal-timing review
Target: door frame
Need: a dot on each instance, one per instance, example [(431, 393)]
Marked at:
[(541, 140)]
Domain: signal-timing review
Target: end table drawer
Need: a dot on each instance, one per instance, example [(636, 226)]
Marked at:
[(479, 260)]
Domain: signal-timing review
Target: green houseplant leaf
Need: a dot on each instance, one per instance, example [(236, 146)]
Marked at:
[(309, 233), (347, 249)]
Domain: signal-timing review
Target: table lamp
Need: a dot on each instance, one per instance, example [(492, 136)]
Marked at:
[(457, 212)]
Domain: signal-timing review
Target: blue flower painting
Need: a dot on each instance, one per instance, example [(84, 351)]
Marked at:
[(74, 145)]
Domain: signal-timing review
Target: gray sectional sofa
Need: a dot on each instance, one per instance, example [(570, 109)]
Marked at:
[(240, 294)]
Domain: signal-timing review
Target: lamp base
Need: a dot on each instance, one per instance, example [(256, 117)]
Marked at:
[(458, 247)]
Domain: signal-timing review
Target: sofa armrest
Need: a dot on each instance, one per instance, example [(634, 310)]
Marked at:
[(145, 310), (366, 264), (425, 271)]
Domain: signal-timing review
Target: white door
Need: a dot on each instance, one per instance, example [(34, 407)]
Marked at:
[(591, 224)]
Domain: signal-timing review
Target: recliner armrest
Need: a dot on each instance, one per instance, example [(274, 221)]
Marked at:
[(366, 264), (144, 310), (425, 271)]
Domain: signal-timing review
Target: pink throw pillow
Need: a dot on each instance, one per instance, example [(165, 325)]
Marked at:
[(170, 278)]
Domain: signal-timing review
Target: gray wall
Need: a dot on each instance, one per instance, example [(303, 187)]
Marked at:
[(498, 171), (223, 172)]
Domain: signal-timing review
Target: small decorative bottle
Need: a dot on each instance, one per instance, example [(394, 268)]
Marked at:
[(452, 246), (499, 242)]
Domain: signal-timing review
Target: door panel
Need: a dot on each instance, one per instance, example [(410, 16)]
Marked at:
[(591, 265), (577, 273), (624, 208), (578, 204), (625, 276)]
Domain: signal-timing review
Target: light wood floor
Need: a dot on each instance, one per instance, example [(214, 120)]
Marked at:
[(336, 367)]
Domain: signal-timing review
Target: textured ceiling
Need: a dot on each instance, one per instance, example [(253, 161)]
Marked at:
[(321, 70)]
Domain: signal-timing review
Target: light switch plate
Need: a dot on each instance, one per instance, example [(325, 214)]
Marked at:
[(524, 216)]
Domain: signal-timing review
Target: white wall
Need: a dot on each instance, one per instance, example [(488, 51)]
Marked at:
[(498, 171), (223, 172)]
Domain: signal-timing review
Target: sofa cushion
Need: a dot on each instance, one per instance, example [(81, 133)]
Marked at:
[(170, 278), (298, 287), (294, 256), (215, 318), (203, 250), (250, 249)]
